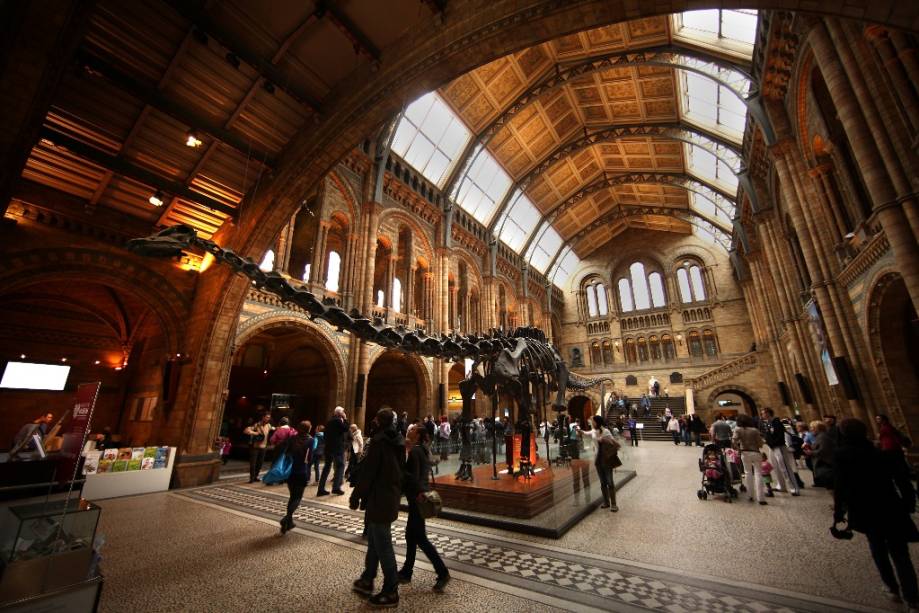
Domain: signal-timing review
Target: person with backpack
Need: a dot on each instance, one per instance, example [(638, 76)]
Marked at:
[(378, 490), (416, 483), (780, 455), (606, 460), (297, 447)]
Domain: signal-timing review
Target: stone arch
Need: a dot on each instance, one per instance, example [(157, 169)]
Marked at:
[(419, 369), (741, 390), (350, 198), (399, 217), (472, 264), (879, 317), (168, 304), (292, 319)]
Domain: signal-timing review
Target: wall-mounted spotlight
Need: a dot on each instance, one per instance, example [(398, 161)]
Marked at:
[(157, 199)]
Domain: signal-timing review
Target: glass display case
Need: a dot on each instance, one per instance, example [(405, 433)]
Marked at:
[(45, 546)]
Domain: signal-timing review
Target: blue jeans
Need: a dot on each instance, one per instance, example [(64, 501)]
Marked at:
[(380, 552), (338, 459)]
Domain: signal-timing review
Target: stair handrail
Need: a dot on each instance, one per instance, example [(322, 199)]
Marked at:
[(736, 366)]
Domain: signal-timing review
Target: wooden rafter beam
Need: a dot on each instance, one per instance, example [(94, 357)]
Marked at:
[(361, 42), (120, 165)]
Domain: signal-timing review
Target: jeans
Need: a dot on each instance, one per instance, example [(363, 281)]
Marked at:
[(416, 537), (676, 437), (380, 553), (883, 550), (752, 461), (607, 485), (256, 459), (697, 438), (295, 485), (337, 458), (784, 463), (686, 437), (634, 433), (315, 461)]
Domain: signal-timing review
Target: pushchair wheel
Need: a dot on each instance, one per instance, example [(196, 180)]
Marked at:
[(743, 488), (700, 493), (704, 495)]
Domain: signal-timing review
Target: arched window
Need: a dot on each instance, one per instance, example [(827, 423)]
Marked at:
[(668, 348), (591, 301), (268, 261), (602, 306), (381, 297), (596, 359), (397, 294), (657, 289), (607, 353), (334, 273), (642, 349), (630, 353), (695, 345), (692, 284), (710, 343), (640, 286), (655, 347), (625, 295)]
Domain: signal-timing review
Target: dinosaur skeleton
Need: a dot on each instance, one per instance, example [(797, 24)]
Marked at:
[(522, 364)]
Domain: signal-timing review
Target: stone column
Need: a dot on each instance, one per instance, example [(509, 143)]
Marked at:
[(894, 66), (892, 213), (907, 53)]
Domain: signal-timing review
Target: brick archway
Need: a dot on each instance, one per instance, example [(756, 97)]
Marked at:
[(123, 273), (732, 388), (422, 377)]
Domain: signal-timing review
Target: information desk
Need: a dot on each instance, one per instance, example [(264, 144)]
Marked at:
[(103, 485)]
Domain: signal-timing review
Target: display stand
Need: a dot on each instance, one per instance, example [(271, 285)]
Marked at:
[(99, 486)]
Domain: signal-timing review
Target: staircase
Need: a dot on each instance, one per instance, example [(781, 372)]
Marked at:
[(652, 425), (723, 373)]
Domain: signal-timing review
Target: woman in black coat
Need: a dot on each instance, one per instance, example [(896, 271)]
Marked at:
[(866, 496), (416, 482)]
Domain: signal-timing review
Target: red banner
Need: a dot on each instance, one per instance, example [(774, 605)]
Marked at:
[(75, 437)]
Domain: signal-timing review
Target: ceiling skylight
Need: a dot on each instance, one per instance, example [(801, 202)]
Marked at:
[(711, 105), (710, 233), (544, 248), (564, 267), (519, 222), (710, 168), (733, 31), (483, 187), (721, 212), (430, 137)]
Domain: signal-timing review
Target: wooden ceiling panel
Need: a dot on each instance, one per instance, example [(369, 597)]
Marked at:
[(131, 197), (58, 168), (159, 145)]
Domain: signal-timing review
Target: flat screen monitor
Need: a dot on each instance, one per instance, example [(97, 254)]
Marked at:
[(31, 376)]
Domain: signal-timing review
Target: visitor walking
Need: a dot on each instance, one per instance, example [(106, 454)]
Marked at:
[(298, 447), (335, 432), (443, 437), (633, 430), (417, 481), (606, 460), (318, 452), (697, 428), (354, 451), (258, 434), (747, 440), (892, 442), (823, 454), (673, 427), (866, 496), (721, 432), (779, 453), (378, 490)]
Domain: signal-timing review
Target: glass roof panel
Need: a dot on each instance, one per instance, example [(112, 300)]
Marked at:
[(729, 30), (720, 212), (430, 137), (711, 105), (519, 222), (544, 248), (704, 164), (565, 267), (483, 187), (739, 26)]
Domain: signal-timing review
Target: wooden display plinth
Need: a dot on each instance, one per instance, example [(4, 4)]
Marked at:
[(510, 497)]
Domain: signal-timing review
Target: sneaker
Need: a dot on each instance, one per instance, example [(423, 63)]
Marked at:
[(614, 509), (441, 583), (385, 600), (362, 587), (891, 594), (321, 493), (338, 492), (403, 578)]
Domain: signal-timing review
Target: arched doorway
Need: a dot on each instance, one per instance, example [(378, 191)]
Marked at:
[(454, 398), (732, 401), (895, 344), (395, 380), (283, 369), (581, 408)]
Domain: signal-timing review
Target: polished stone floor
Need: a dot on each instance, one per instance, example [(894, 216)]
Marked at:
[(216, 548)]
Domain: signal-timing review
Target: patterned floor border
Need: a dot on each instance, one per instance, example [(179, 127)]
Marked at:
[(569, 579)]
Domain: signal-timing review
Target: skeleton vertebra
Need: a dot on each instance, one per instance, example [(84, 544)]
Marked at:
[(522, 364)]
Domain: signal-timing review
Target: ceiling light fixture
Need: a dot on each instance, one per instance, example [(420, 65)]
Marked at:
[(192, 140), (157, 199)]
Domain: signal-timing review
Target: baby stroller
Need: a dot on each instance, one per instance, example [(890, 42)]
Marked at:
[(716, 475)]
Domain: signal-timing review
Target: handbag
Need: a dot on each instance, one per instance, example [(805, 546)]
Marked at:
[(280, 470), (430, 502)]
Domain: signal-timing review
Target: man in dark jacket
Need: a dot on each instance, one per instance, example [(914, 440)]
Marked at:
[(335, 432), (378, 490)]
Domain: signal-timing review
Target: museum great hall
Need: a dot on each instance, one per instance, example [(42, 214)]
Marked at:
[(711, 212)]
